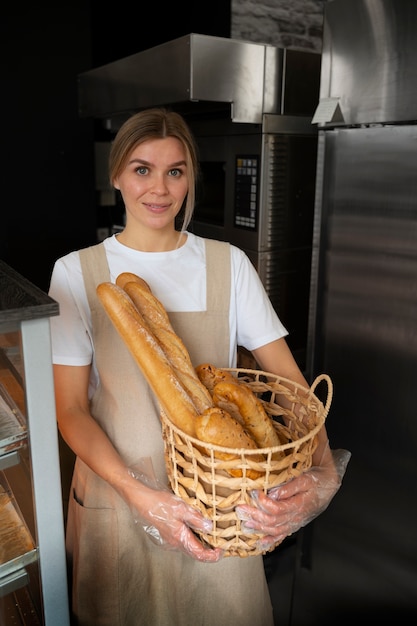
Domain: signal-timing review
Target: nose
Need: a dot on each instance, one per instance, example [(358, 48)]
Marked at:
[(159, 184)]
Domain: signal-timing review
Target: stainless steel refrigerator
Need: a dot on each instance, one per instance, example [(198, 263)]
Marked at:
[(363, 304)]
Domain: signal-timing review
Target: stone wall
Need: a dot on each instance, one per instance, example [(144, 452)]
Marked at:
[(294, 24)]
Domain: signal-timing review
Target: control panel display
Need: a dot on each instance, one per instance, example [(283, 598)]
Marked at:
[(246, 192)]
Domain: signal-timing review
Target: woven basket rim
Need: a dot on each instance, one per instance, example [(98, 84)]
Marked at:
[(272, 450)]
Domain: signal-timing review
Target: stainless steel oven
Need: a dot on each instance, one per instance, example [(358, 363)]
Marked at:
[(250, 107), (257, 191)]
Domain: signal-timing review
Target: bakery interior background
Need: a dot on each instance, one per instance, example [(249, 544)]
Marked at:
[(48, 195), (363, 562)]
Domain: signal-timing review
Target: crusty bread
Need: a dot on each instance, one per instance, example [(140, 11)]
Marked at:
[(149, 355), (129, 277), (211, 375), (158, 322), (255, 419), (204, 402), (218, 427)]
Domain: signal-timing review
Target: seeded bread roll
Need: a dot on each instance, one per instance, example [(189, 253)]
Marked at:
[(211, 375), (216, 426), (255, 419)]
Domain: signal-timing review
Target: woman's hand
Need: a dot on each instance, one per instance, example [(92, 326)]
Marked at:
[(169, 521), (288, 507)]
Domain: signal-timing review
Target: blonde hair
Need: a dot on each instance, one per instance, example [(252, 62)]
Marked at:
[(156, 123)]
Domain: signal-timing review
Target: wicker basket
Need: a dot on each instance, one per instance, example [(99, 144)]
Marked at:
[(202, 480)]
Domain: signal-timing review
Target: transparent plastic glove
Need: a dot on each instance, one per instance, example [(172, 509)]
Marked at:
[(169, 521), (288, 507)]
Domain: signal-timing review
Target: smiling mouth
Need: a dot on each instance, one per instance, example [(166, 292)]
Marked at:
[(156, 207)]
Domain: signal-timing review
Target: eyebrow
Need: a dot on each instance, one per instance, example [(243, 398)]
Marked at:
[(144, 162)]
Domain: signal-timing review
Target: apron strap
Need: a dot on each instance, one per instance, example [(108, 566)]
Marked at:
[(218, 275), (95, 270)]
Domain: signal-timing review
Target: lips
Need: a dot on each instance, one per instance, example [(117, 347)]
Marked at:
[(156, 208)]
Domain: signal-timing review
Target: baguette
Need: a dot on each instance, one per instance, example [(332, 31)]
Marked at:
[(149, 356), (129, 277), (216, 426), (255, 419), (159, 324)]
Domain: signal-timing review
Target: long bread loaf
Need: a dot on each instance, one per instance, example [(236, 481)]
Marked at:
[(128, 277), (149, 355), (158, 322), (184, 393)]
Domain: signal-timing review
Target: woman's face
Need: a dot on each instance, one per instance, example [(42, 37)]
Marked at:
[(154, 183)]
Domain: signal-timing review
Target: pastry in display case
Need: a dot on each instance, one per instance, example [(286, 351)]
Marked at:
[(17, 547), (33, 579)]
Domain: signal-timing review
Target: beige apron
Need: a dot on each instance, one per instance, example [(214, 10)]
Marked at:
[(120, 577)]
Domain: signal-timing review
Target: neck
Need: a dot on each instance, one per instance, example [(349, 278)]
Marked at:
[(156, 242)]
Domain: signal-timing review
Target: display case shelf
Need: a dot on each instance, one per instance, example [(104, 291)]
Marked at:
[(31, 508)]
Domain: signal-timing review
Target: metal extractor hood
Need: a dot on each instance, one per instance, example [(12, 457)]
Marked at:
[(250, 78)]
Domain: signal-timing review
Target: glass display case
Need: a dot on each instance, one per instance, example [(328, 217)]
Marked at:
[(33, 578)]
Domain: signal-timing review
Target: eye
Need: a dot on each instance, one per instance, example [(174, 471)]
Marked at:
[(176, 172), (142, 170)]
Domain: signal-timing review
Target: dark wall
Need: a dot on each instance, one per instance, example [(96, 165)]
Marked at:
[(48, 199), (46, 171), (133, 27)]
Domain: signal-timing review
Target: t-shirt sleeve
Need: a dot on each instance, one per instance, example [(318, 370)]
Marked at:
[(71, 329), (257, 321)]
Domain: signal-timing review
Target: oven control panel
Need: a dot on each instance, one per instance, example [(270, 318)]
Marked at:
[(246, 192)]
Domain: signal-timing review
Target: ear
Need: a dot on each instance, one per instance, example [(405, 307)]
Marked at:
[(115, 183)]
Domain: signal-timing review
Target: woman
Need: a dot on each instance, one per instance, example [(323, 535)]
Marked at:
[(109, 418)]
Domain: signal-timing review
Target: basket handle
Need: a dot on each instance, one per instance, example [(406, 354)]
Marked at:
[(329, 390)]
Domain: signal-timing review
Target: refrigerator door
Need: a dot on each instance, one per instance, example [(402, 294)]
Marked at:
[(364, 334), (363, 312), (365, 283)]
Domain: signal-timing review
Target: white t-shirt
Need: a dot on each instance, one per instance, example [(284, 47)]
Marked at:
[(178, 279)]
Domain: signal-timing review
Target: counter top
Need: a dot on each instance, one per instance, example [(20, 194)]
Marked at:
[(20, 299)]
